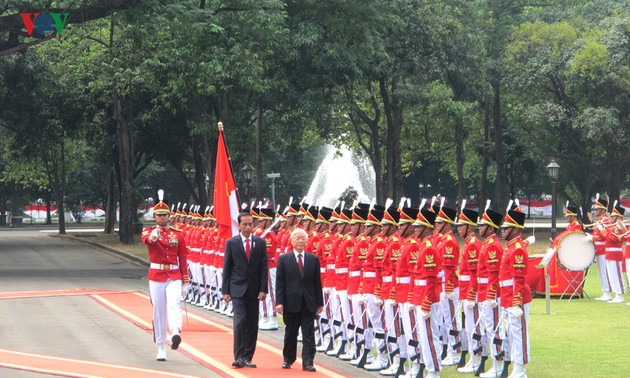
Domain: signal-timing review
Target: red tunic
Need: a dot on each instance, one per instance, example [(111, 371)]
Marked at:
[(394, 242), (513, 288), (371, 269), (598, 238), (488, 269), (359, 254), (403, 272), (613, 243), (449, 254), (323, 253), (468, 268), (169, 249), (425, 276), (342, 262)]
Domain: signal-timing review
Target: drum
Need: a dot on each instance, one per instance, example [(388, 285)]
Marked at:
[(574, 254)]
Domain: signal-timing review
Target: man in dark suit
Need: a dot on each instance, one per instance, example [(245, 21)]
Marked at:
[(245, 283), (299, 298)]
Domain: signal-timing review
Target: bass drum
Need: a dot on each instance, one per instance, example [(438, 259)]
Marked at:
[(575, 254)]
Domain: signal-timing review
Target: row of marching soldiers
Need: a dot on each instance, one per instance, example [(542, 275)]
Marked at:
[(400, 294)]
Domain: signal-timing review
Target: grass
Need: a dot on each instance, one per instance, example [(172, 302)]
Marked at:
[(581, 338)]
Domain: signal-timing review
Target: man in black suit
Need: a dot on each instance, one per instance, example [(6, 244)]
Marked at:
[(299, 298), (245, 283)]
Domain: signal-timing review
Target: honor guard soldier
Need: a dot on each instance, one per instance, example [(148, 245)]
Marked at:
[(268, 316), (488, 288), (324, 251), (614, 237), (600, 207), (168, 272), (425, 303), (449, 296), (466, 224), (516, 294)]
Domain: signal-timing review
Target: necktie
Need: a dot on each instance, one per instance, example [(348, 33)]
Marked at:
[(300, 265), (248, 249)]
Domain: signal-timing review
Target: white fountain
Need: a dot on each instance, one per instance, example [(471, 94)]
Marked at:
[(341, 169)]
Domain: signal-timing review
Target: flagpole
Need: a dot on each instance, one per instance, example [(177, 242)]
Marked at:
[(238, 198)]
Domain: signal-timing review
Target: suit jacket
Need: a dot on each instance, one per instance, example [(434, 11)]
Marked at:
[(241, 277), (291, 288)]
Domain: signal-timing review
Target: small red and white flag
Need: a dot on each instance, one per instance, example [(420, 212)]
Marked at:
[(226, 203)]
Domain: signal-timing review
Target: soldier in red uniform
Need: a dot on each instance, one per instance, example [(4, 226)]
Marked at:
[(614, 237), (168, 272), (324, 251), (515, 292), (371, 282), (425, 300), (449, 296), (268, 316), (466, 224), (488, 289), (600, 207)]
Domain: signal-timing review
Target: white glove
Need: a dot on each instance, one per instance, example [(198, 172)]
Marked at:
[(361, 299), (450, 295), (350, 297), (412, 306), (326, 290), (185, 289), (469, 304), (425, 315), (587, 239), (531, 239), (390, 302), (378, 301), (516, 311), (600, 227), (490, 302), (155, 235)]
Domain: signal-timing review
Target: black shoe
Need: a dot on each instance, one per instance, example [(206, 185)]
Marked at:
[(286, 365), (310, 368), (237, 364), (249, 364), (175, 341)]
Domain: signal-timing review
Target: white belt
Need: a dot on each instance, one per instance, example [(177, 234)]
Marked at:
[(164, 266), (322, 270), (207, 251), (369, 274), (331, 266), (464, 278), (403, 280), (482, 280), (355, 273), (387, 279), (196, 250), (614, 249), (441, 274), (342, 270), (505, 283), (420, 282), (600, 242)]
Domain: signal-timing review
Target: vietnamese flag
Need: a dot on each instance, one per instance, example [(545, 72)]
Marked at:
[(226, 204)]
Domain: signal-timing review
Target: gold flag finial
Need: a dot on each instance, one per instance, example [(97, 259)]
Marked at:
[(220, 126)]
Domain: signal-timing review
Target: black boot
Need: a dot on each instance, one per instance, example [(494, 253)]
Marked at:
[(421, 371), (363, 360), (504, 373), (401, 367), (462, 360), (482, 366), (444, 351), (342, 348)]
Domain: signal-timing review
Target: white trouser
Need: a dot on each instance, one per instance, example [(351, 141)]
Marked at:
[(392, 324), (450, 321), (360, 319), (518, 334), (219, 283), (428, 336), (165, 298), (268, 306), (410, 325), (375, 313), (602, 272), (336, 324), (473, 326), (615, 277), (344, 303), (628, 271), (209, 277), (491, 317)]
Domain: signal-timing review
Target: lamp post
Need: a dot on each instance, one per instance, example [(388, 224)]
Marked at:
[(553, 169), (273, 177), (248, 174), (423, 190)]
